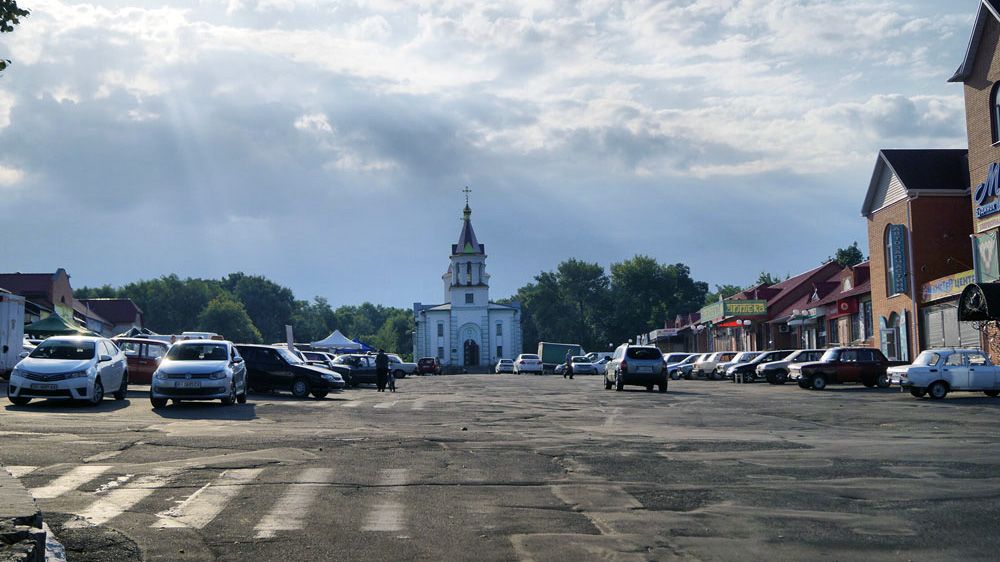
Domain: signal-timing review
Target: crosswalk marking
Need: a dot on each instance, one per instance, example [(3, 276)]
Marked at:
[(204, 505), (388, 515), (19, 471), (352, 404), (387, 404), (120, 499), (69, 481), (290, 511)]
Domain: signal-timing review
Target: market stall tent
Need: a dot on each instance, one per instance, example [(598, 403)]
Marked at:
[(336, 341), (55, 325)]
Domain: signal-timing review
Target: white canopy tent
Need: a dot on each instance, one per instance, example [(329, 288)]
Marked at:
[(336, 340)]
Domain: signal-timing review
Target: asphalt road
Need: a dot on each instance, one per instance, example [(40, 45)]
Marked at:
[(519, 468)]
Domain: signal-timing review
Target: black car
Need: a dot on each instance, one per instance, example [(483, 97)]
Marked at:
[(356, 368), (429, 366), (276, 368)]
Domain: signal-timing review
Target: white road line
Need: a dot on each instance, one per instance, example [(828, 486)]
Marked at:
[(351, 404), (19, 471), (387, 404), (419, 403), (201, 507), (121, 499), (291, 510), (69, 481), (389, 515)]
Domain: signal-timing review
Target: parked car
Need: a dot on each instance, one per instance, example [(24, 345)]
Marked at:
[(582, 366), (527, 363), (428, 366), (601, 364), (683, 369), (277, 368), (741, 357), (356, 368), (505, 366), (747, 372), (705, 367), (844, 364), (670, 358), (142, 356), (318, 358), (639, 365), (200, 369), (400, 368), (70, 368), (776, 372), (936, 372)]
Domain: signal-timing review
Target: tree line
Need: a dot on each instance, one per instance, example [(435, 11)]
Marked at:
[(253, 309)]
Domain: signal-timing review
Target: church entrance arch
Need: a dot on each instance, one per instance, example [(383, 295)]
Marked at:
[(470, 337)]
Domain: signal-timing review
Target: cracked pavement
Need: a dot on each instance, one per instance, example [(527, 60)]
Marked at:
[(485, 467)]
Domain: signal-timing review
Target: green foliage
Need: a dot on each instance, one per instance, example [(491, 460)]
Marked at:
[(269, 305), (226, 316), (721, 292), (10, 15), (580, 303), (849, 256), (766, 278)]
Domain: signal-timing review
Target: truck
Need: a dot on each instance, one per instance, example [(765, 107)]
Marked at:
[(11, 331), (844, 364), (553, 354)]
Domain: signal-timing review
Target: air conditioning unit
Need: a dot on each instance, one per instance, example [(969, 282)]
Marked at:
[(784, 328)]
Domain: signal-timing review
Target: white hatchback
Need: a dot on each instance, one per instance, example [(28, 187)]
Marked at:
[(528, 363), (70, 368)]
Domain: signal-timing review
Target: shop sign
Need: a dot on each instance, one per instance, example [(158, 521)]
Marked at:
[(844, 307), (986, 262), (897, 255), (987, 202), (724, 309), (663, 333), (949, 286)]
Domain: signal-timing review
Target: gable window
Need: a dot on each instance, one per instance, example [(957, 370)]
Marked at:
[(895, 259), (499, 329), (440, 329), (995, 112), (469, 298)]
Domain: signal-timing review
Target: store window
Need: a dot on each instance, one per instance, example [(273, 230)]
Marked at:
[(834, 331), (995, 112), (866, 318), (895, 259)]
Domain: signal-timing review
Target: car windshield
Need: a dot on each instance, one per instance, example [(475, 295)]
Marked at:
[(288, 356), (643, 353), (690, 360), (744, 357), (529, 357), (64, 350), (198, 352), (926, 359), (770, 356)]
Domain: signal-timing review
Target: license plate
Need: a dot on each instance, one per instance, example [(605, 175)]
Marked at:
[(644, 370), (44, 386), (189, 384)]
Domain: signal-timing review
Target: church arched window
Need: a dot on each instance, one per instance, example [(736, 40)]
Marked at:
[(468, 273)]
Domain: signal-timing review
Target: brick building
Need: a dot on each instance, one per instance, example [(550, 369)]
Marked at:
[(918, 214)]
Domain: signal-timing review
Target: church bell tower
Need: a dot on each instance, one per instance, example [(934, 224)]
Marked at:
[(466, 283)]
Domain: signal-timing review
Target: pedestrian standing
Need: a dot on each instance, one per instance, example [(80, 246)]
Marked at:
[(392, 382), (569, 365), (381, 370)]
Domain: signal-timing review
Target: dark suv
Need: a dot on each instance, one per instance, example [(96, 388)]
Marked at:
[(428, 366), (276, 368), (356, 368)]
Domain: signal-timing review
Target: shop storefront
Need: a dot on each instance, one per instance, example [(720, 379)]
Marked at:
[(940, 326), (732, 324)]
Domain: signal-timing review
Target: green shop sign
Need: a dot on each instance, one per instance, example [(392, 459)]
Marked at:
[(724, 309)]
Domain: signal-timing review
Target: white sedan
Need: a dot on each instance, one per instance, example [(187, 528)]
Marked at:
[(528, 363), (70, 368), (936, 372)]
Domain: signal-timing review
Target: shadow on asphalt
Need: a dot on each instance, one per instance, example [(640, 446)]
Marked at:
[(960, 399), (285, 397), (860, 388), (207, 411), (64, 406)]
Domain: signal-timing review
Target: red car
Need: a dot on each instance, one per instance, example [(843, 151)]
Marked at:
[(141, 355), (428, 366)]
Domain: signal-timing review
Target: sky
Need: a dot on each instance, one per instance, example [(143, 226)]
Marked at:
[(325, 144)]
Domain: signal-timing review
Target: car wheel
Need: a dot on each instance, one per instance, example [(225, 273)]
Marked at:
[(98, 395), (937, 390), (607, 384), (122, 391), (687, 376), (674, 375), (241, 398), (883, 381), (158, 402), (780, 378), (918, 392), (769, 377), (868, 382), (992, 393), (619, 382), (320, 394), (649, 388), (300, 388), (663, 387), (803, 383), (231, 398), (819, 382), (18, 400)]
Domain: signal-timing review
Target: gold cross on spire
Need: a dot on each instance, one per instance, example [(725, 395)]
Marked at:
[(466, 191)]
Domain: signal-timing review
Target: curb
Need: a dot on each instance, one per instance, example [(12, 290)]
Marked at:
[(22, 536)]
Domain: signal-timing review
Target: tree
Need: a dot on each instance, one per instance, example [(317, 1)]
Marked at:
[(722, 292), (10, 15), (170, 304), (766, 278), (227, 317), (269, 305), (849, 256), (584, 287)]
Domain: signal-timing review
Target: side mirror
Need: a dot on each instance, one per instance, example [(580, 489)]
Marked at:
[(104, 359), (158, 359), (23, 354), (238, 360)]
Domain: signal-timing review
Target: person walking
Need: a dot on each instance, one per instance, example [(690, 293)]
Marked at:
[(569, 364), (381, 370)]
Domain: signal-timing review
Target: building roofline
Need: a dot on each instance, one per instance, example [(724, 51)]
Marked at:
[(965, 69)]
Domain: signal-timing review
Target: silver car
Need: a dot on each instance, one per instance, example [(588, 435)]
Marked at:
[(70, 368), (200, 370), (776, 372)]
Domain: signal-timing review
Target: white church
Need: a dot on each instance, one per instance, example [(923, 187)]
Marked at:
[(467, 330)]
